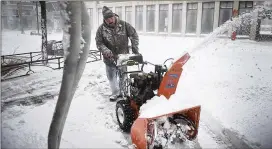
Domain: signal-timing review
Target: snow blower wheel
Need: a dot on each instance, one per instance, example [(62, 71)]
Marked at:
[(125, 115)]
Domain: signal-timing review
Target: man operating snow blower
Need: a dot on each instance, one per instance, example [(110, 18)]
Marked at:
[(112, 39)]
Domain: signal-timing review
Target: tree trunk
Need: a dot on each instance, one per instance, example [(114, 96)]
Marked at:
[(37, 15), (255, 26), (44, 31), (74, 64), (19, 7), (86, 36)]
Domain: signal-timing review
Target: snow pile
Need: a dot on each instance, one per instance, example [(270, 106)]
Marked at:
[(167, 134), (161, 106), (94, 119)]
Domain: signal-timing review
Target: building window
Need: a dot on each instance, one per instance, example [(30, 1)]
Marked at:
[(90, 11), (5, 22), (191, 21), (163, 18), (27, 12), (13, 2), (128, 10), (207, 17), (100, 16), (118, 11), (15, 12), (225, 11), (177, 18), (245, 6), (139, 18), (150, 18)]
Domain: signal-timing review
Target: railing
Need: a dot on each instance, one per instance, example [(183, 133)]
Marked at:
[(5, 59), (10, 64)]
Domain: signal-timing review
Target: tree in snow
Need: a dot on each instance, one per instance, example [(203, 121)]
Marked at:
[(76, 32), (19, 7), (44, 31)]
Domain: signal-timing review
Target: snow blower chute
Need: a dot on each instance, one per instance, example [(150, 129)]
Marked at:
[(137, 87)]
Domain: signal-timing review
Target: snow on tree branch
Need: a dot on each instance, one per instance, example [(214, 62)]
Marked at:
[(66, 14)]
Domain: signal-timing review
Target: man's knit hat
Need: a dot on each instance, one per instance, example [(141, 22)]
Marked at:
[(107, 13)]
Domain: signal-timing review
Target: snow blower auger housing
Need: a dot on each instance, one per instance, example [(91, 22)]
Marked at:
[(137, 87)]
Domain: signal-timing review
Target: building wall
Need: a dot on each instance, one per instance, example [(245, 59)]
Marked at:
[(175, 18), (178, 18)]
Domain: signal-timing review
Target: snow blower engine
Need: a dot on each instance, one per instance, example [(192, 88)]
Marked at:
[(137, 87)]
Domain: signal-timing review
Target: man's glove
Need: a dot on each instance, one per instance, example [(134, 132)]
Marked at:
[(135, 50), (107, 54)]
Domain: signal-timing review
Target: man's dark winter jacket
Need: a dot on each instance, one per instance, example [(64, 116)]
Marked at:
[(116, 39)]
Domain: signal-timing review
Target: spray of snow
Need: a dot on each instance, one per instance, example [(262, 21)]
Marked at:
[(228, 27), (160, 106), (147, 110)]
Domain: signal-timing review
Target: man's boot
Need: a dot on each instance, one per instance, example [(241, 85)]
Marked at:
[(113, 97)]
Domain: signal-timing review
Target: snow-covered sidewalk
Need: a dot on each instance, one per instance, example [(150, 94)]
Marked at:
[(229, 79)]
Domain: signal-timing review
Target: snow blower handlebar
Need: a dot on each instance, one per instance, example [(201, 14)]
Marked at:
[(136, 59)]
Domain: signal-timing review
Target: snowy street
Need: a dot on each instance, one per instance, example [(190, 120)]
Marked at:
[(231, 80)]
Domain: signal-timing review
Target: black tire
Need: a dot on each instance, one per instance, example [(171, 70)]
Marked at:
[(158, 147), (128, 115)]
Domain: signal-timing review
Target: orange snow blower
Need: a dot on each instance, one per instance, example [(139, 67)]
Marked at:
[(137, 87)]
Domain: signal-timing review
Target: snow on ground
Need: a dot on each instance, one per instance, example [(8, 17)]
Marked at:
[(234, 85), (229, 79), (89, 115), (15, 42)]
